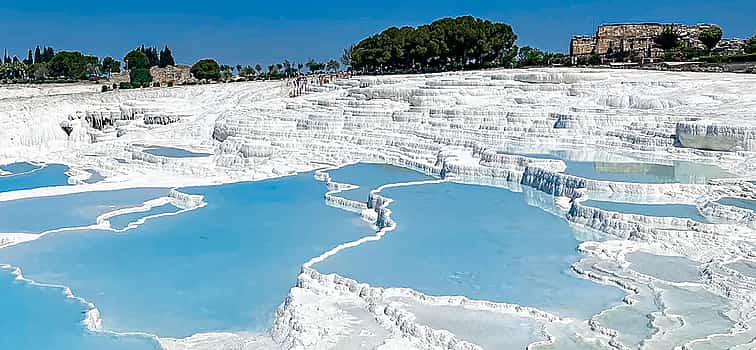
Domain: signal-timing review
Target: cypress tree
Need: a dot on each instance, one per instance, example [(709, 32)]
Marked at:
[(29, 59), (37, 55), (166, 58), (152, 55), (47, 54)]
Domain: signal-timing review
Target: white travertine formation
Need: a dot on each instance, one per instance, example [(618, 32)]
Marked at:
[(473, 127)]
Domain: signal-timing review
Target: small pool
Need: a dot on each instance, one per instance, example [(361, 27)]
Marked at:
[(668, 268), (172, 152), (745, 267), (659, 210), (476, 326), (739, 202), (46, 176), (95, 176), (480, 242), (637, 172), (371, 176), (19, 168)]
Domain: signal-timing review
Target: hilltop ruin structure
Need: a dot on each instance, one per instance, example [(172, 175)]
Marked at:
[(636, 42)]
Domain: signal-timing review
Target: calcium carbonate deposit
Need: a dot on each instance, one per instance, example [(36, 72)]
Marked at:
[(643, 168)]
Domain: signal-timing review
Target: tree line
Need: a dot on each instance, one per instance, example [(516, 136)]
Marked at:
[(44, 64), (445, 44), (210, 69)]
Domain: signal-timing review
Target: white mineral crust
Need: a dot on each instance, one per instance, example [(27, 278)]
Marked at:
[(463, 127)]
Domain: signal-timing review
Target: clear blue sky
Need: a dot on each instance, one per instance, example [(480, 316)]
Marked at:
[(249, 32)]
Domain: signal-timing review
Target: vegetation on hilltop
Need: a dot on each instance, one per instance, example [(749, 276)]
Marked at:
[(710, 37), (445, 44), (206, 69), (750, 46), (44, 65)]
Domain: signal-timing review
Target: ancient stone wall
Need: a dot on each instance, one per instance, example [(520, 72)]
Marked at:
[(582, 45), (178, 74), (633, 41)]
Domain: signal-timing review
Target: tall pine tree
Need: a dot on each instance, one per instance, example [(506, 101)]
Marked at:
[(152, 55), (47, 54), (29, 59), (166, 58), (37, 55)]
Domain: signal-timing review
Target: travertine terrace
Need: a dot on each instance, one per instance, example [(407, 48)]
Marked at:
[(463, 127)]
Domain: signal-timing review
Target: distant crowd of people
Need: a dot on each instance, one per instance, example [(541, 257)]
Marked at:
[(302, 84)]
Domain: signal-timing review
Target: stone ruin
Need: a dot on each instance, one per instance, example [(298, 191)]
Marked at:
[(632, 41)]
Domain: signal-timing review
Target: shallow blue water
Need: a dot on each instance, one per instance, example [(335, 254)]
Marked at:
[(95, 178), (739, 202), (173, 152), (663, 210), (669, 268), (371, 176), (680, 172), (40, 318), (36, 215), (480, 242), (17, 168), (121, 221), (638, 172), (224, 267), (49, 175)]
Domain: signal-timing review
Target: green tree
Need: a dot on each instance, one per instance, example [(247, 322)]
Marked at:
[(272, 71), (346, 56), (667, 39), (448, 43), (246, 71), (710, 37), (107, 64), (47, 54), (226, 72), (152, 55), (13, 70), (288, 68), (528, 56), (136, 59), (332, 65), (72, 65), (166, 58), (29, 59), (39, 71), (258, 68), (140, 76), (750, 45), (37, 55), (206, 69), (314, 66), (115, 67)]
